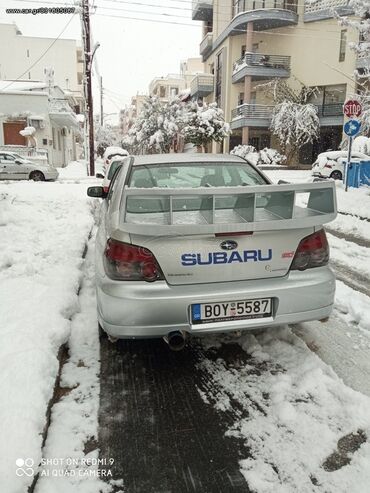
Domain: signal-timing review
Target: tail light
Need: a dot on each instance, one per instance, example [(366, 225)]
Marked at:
[(106, 189), (126, 262), (312, 251), (328, 166)]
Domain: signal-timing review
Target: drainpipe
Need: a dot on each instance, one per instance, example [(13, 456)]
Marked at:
[(248, 79)]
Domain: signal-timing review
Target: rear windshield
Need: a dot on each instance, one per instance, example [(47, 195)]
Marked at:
[(189, 176), (195, 175), (112, 168)]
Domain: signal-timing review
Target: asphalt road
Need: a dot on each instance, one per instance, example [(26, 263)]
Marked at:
[(155, 425)]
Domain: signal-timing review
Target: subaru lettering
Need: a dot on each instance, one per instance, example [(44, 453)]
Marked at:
[(225, 258)]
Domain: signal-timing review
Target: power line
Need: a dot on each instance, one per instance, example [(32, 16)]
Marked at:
[(41, 56), (271, 33)]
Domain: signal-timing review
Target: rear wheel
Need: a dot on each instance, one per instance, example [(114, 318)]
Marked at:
[(336, 175), (102, 333), (37, 176)]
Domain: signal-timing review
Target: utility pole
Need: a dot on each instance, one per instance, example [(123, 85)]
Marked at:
[(86, 38), (101, 102)]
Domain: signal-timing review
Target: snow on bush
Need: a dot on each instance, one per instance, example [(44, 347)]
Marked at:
[(266, 156), (361, 144)]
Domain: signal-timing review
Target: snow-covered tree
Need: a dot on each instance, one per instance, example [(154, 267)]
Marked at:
[(155, 128), (294, 125), (104, 136), (204, 124)]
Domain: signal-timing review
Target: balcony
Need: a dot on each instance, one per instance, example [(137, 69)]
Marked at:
[(265, 14), (61, 113), (201, 85), (324, 9), (260, 66), (251, 115), (259, 115), (205, 47), (202, 10)]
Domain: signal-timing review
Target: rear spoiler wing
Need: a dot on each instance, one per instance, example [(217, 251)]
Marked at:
[(186, 211)]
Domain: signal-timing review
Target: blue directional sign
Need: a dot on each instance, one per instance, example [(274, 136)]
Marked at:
[(352, 127)]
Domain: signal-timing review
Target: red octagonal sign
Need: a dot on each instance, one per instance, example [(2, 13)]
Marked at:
[(352, 108)]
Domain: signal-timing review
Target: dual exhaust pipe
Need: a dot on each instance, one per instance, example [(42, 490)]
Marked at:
[(176, 340)]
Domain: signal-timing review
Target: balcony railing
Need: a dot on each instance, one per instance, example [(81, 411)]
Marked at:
[(261, 66), (202, 10), (206, 44), (326, 9), (251, 110), (202, 85), (330, 109), (259, 115), (246, 5)]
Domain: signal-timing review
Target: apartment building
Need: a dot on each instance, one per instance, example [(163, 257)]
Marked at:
[(64, 58), (170, 86), (250, 42)]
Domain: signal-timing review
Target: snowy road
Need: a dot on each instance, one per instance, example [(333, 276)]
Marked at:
[(285, 411)]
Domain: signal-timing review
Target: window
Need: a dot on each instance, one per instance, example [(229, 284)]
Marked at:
[(244, 49), (174, 91), (162, 91), (241, 98), (218, 92), (28, 53), (59, 143), (342, 46), (54, 139)]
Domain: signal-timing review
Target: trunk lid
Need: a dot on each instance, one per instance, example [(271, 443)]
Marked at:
[(196, 259)]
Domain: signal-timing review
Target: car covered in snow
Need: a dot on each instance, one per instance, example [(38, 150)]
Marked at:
[(202, 243), (110, 154), (331, 164), (15, 167)]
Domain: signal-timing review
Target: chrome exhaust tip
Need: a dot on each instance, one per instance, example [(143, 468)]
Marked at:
[(176, 340)]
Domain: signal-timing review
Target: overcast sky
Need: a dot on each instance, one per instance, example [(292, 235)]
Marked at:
[(131, 52)]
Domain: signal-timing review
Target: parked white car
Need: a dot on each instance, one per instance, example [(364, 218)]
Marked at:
[(15, 167), (110, 154), (331, 164)]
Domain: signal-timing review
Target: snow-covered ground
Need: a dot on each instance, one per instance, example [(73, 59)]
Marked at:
[(44, 230), (304, 413)]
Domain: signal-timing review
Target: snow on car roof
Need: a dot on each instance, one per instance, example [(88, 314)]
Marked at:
[(186, 158), (336, 154)]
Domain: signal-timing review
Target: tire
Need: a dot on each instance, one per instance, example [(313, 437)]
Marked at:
[(102, 333), (37, 176), (336, 175)]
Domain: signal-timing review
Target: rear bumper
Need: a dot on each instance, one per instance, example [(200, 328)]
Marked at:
[(137, 309)]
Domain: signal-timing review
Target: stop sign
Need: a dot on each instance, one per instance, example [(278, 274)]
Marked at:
[(352, 108)]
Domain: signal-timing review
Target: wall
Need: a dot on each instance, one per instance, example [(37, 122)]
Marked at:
[(62, 56)]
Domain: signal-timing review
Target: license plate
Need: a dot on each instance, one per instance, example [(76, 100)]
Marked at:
[(225, 311)]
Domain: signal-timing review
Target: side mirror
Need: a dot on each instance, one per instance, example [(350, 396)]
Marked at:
[(99, 175), (96, 192)]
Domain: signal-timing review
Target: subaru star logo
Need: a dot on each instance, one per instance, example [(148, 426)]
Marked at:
[(229, 245)]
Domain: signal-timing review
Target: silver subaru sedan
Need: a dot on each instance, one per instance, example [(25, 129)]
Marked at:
[(192, 244)]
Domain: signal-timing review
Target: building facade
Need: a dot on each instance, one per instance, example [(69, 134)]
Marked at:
[(64, 59), (248, 43), (49, 110)]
